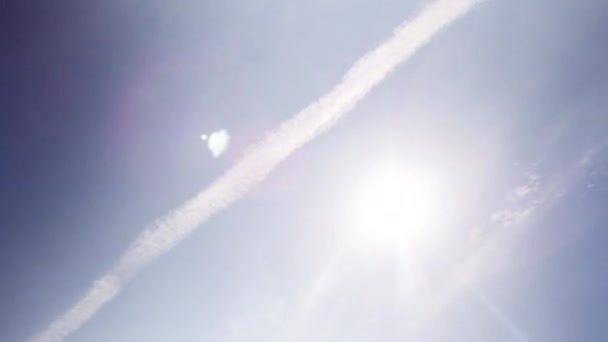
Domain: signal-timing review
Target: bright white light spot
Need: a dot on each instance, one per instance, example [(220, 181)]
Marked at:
[(394, 204), (217, 142)]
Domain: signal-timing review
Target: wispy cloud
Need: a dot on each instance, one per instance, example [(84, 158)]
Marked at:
[(526, 203), (523, 201), (262, 158), (529, 188)]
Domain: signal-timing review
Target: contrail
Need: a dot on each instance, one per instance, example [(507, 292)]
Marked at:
[(261, 159)]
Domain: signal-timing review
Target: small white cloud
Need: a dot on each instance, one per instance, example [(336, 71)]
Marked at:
[(217, 142), (523, 202), (524, 191)]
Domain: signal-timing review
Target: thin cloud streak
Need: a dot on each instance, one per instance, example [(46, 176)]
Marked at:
[(262, 158), (483, 256)]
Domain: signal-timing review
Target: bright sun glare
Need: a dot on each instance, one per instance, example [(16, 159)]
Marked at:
[(393, 204)]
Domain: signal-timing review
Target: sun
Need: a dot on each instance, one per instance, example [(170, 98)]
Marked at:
[(394, 203)]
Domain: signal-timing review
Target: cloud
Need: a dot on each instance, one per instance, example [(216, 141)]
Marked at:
[(523, 202), (526, 203), (538, 194), (217, 142), (262, 158), (531, 187)]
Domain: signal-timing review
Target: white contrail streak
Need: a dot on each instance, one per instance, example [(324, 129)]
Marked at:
[(260, 159)]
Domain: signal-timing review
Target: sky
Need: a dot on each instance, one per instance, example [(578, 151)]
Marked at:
[(103, 105)]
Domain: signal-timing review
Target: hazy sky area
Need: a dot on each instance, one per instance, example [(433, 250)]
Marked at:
[(103, 105)]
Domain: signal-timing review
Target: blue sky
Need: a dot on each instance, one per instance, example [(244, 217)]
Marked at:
[(104, 103)]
